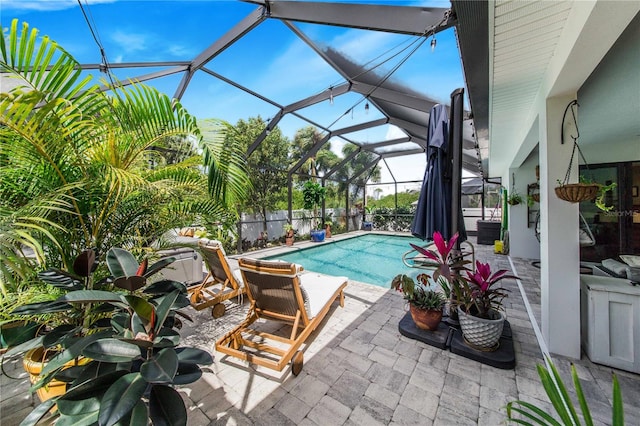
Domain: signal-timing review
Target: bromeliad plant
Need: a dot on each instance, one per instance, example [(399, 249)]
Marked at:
[(127, 331)]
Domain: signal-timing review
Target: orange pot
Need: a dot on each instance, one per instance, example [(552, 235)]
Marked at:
[(425, 319)]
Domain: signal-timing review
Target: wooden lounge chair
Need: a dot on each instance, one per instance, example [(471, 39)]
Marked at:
[(220, 284), (278, 291)]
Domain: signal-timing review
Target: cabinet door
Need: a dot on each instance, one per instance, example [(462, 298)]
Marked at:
[(617, 330)]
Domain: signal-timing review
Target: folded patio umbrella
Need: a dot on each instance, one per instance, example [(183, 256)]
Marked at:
[(433, 212)]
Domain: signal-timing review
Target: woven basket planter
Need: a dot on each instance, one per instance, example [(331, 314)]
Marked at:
[(479, 333), (576, 192)]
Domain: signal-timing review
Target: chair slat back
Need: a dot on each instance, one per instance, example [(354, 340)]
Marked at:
[(273, 286), (216, 261)]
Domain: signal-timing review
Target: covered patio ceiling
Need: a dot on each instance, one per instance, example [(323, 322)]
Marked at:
[(513, 50), (389, 101)]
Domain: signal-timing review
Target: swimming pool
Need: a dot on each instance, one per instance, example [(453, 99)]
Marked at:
[(370, 258)]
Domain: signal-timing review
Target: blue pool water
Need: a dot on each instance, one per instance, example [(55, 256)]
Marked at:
[(370, 258)]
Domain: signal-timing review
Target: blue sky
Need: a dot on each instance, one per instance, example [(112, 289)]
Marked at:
[(270, 60)]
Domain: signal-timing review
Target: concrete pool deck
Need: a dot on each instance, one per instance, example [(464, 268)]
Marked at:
[(359, 369)]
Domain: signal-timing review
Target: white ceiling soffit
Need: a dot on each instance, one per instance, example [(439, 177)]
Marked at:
[(525, 38)]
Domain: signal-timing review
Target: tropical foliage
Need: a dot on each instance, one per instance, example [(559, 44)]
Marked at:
[(391, 219), (527, 413), (418, 294), (359, 170), (303, 142), (84, 165), (475, 292), (403, 199), (267, 165), (124, 328), (313, 194)]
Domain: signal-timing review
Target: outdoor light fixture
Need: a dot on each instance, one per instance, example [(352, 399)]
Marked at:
[(331, 95), (433, 43), (366, 108)]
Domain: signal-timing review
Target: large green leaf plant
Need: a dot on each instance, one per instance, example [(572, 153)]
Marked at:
[(125, 326), (98, 155)]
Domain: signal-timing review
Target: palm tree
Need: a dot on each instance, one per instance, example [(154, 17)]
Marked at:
[(94, 153), (318, 164)]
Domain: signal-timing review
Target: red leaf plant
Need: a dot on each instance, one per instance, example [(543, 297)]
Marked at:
[(478, 295), (447, 262), (473, 292)]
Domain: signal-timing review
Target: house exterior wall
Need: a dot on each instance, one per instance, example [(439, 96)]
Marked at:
[(577, 70), (523, 242)]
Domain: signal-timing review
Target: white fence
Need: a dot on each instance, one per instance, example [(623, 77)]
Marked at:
[(252, 224)]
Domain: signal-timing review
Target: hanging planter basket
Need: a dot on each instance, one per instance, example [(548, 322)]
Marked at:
[(576, 192), (582, 191)]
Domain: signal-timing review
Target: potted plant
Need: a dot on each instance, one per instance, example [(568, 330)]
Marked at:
[(313, 193), (327, 228), (585, 190), (514, 198), (425, 304), (448, 265), (288, 234), (121, 340), (472, 295), (479, 304)]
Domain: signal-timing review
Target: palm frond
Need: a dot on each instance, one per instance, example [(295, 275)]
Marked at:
[(44, 66), (226, 165)]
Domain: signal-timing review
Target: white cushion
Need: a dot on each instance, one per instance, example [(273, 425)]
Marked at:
[(212, 243), (631, 260), (615, 266), (320, 289), (238, 276)]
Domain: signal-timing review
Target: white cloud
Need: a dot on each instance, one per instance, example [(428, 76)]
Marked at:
[(298, 66), (394, 132), (364, 45), (130, 42), (179, 50)]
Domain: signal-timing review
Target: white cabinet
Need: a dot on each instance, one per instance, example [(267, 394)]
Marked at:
[(610, 313)]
